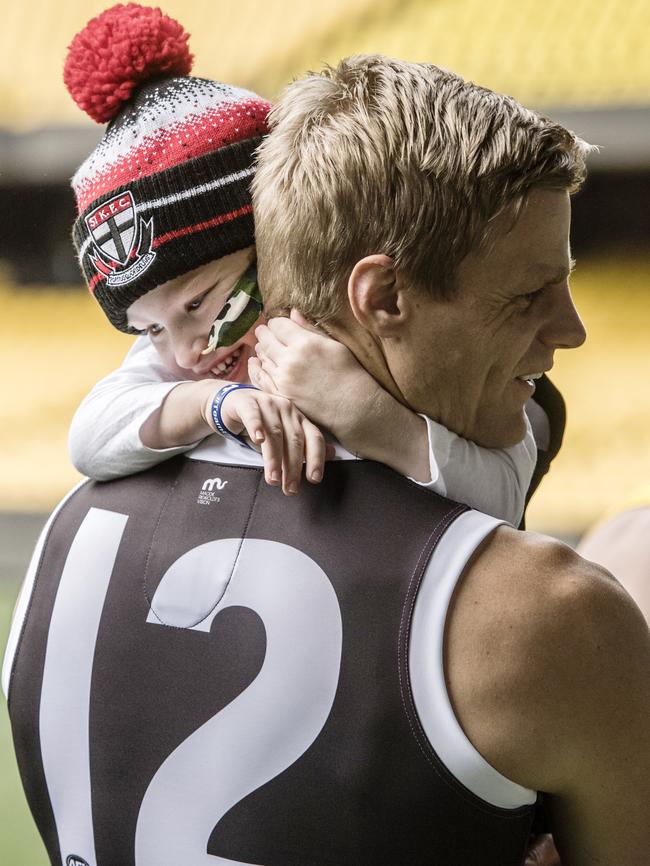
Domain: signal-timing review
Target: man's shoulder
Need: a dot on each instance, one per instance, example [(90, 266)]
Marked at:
[(544, 594), (537, 637), (538, 571)]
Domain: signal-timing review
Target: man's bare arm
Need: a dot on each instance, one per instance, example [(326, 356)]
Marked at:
[(548, 663)]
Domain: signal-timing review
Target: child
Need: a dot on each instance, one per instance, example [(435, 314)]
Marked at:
[(165, 241)]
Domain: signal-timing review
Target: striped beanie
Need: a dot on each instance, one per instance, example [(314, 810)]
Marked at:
[(168, 187)]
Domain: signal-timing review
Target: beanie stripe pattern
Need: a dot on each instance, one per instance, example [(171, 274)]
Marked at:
[(169, 123), (244, 175), (140, 235)]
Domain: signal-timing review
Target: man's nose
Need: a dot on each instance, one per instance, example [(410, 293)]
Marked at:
[(564, 329)]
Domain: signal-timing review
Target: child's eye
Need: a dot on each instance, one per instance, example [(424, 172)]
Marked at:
[(154, 330), (196, 303)]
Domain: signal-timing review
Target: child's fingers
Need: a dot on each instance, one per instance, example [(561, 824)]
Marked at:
[(260, 377), (315, 452), (297, 317), (284, 329), (287, 330), (264, 332), (272, 448), (250, 416), (269, 343), (262, 354), (294, 452)]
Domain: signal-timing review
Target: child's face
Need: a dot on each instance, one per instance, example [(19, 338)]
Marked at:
[(178, 315)]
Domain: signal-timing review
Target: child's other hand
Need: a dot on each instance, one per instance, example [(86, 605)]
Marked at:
[(325, 381), (284, 435), (320, 375)]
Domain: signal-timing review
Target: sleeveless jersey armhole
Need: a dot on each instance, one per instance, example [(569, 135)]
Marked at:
[(426, 666)]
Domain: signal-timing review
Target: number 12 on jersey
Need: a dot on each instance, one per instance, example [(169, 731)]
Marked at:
[(253, 739)]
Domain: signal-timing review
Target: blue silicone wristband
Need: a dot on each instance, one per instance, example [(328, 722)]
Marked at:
[(215, 412)]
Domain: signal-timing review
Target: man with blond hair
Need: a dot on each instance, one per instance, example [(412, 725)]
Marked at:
[(202, 670), (423, 222)]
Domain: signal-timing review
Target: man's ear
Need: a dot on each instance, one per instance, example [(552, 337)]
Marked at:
[(374, 295)]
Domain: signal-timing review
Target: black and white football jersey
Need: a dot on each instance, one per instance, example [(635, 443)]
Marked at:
[(203, 671)]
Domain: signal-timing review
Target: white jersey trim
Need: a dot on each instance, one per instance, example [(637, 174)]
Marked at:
[(64, 711), (20, 611), (426, 666)]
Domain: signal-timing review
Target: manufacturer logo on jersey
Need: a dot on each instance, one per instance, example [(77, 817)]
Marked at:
[(211, 483), (120, 240), (75, 860), (207, 495)]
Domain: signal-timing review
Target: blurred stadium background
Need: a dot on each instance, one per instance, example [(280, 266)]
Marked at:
[(584, 63)]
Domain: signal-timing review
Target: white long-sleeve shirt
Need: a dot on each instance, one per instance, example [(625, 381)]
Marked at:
[(104, 441)]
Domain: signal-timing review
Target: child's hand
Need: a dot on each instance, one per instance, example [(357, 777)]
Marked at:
[(284, 435), (320, 375), (326, 382)]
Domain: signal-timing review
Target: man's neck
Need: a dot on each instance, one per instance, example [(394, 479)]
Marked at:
[(368, 351)]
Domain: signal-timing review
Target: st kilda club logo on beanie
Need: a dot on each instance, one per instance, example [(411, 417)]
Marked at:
[(121, 240)]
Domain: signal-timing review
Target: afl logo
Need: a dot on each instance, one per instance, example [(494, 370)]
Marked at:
[(73, 860)]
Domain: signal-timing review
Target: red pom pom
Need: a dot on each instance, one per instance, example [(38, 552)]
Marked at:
[(119, 50)]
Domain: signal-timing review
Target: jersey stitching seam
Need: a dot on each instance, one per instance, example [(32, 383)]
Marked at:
[(232, 571), (404, 630), (171, 489), (237, 555)]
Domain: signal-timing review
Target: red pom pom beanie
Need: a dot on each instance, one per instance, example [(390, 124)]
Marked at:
[(168, 187)]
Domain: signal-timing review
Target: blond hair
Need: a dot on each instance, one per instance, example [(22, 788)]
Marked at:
[(384, 156)]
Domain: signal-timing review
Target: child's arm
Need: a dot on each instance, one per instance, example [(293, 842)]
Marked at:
[(104, 439), (325, 381), (493, 480), (285, 437), (140, 415)]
